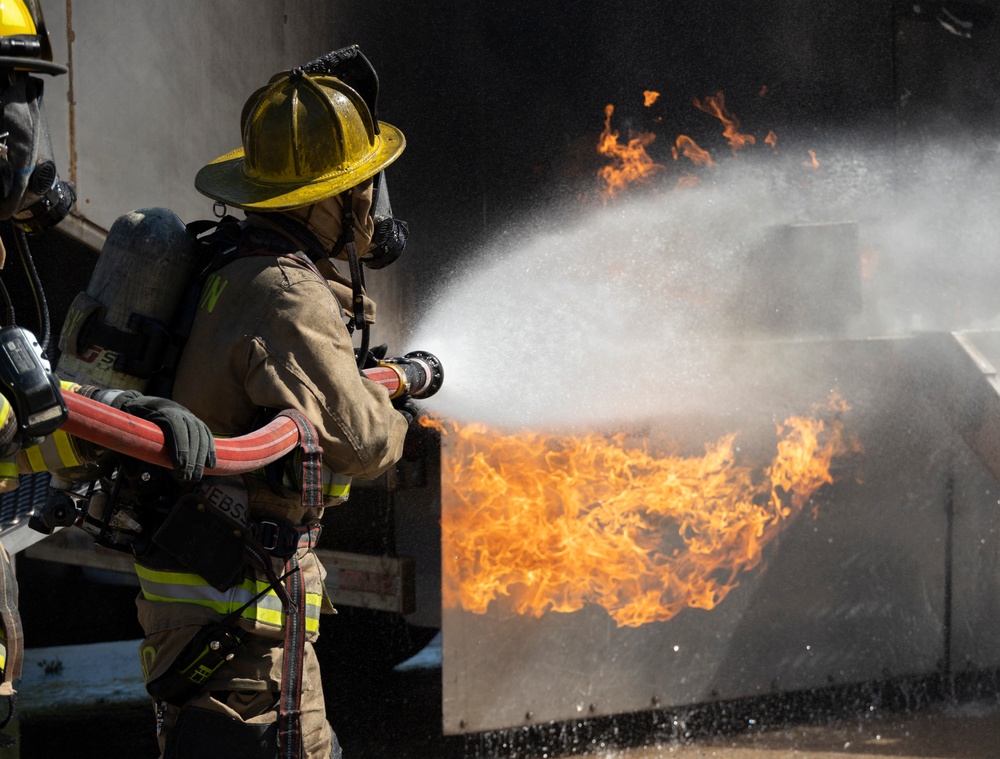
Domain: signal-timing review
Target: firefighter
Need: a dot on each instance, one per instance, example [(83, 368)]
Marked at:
[(32, 199), (272, 331)]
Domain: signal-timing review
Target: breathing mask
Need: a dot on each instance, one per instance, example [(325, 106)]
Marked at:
[(31, 193), (390, 234)]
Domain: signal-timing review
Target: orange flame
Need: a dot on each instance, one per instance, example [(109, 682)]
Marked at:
[(554, 523), (649, 97), (631, 162), (689, 149), (716, 106), (812, 163), (772, 139)]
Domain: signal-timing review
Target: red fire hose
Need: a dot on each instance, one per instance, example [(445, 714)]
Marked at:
[(117, 431)]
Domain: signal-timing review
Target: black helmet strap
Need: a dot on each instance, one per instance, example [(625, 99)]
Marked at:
[(345, 243)]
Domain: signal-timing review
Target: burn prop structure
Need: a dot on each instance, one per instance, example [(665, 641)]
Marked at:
[(769, 550)]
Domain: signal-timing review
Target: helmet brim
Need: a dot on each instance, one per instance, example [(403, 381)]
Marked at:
[(34, 65), (225, 180)]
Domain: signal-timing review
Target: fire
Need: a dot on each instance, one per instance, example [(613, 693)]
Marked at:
[(554, 523), (689, 149), (812, 163), (772, 139), (631, 161), (716, 106)]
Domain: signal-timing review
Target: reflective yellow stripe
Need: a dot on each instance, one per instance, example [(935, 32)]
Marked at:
[(187, 587), (5, 409), (335, 486), (8, 468), (35, 460), (64, 446), (54, 452)]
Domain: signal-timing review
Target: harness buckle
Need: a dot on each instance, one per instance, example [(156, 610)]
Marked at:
[(269, 535)]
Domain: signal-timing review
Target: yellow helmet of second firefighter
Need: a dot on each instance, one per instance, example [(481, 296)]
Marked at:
[(305, 138), (24, 43)]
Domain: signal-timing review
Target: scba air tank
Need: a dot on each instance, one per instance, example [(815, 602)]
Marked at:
[(117, 332)]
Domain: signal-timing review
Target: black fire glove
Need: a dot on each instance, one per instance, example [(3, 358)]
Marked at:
[(406, 406), (192, 447), (373, 357)]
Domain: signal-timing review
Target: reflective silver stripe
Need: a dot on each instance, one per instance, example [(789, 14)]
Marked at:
[(185, 587)]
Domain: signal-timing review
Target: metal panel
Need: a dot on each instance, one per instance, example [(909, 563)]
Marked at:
[(973, 401), (858, 592), (156, 90)]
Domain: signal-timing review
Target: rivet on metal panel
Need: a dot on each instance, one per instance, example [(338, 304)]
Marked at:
[(655, 700), (528, 715), (593, 708)]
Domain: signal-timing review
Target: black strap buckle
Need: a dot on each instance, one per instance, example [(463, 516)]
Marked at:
[(268, 534), (277, 539)]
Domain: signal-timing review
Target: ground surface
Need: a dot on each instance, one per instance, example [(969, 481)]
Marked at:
[(398, 717)]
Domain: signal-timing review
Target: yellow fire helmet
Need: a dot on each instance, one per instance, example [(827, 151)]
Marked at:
[(305, 138), (24, 43)]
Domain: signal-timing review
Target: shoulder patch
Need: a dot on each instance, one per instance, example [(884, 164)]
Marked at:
[(210, 293)]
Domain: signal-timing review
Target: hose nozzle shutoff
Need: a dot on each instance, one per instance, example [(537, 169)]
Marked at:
[(420, 374)]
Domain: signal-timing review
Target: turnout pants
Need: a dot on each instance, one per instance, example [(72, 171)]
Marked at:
[(236, 715)]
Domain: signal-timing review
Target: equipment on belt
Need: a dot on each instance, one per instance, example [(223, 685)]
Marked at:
[(29, 386), (210, 648)]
